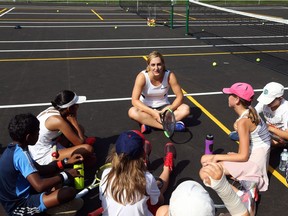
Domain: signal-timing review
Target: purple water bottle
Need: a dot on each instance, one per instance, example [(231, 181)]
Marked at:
[(209, 144)]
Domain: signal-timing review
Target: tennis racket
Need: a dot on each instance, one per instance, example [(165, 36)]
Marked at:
[(95, 182), (168, 121), (279, 139)]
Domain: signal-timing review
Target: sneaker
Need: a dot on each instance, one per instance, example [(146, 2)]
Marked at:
[(145, 129), (170, 154), (249, 202), (147, 150), (251, 187), (179, 126), (234, 136), (90, 140)]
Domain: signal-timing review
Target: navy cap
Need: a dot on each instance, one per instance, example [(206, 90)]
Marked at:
[(130, 143)]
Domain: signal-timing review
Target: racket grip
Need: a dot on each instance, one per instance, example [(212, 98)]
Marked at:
[(54, 151), (82, 193), (97, 212)]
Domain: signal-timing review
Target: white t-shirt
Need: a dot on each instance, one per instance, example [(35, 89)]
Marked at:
[(278, 117), (140, 208)]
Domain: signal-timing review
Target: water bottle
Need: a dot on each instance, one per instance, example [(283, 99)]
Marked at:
[(79, 181), (283, 160), (286, 173), (209, 144)]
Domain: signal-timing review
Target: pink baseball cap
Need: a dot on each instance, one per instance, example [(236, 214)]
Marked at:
[(242, 90)]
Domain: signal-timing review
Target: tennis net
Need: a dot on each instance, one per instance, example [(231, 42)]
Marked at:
[(243, 33), (158, 10)]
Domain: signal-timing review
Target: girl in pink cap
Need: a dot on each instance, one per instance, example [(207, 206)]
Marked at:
[(249, 164)]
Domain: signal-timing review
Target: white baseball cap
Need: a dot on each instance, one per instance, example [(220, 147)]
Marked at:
[(271, 91), (190, 198)]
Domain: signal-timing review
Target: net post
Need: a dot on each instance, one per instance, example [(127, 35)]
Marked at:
[(172, 14), (187, 17)]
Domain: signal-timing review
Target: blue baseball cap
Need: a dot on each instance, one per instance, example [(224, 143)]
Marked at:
[(130, 143)]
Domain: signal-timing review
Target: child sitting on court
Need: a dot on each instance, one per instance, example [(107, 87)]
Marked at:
[(25, 188), (127, 188)]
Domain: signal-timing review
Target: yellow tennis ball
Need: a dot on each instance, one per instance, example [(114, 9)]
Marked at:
[(214, 64), (57, 11), (258, 59), (115, 27)]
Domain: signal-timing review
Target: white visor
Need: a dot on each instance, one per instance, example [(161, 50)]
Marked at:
[(76, 100)]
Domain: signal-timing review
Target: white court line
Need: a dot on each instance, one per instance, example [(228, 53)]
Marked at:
[(144, 39), (101, 40), (6, 12), (140, 48), (113, 99), (83, 26)]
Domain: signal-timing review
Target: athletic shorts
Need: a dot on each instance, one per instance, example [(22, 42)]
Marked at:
[(34, 204), (161, 107)]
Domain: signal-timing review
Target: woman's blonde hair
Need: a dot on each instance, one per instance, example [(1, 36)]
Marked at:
[(126, 180), (153, 55)]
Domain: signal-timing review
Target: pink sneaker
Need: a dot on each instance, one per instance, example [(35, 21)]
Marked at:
[(145, 129), (90, 140), (170, 155), (249, 202)]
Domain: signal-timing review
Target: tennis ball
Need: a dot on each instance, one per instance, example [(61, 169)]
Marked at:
[(214, 64), (203, 29), (258, 59), (115, 27), (57, 11)]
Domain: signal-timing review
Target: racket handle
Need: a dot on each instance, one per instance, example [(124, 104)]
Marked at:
[(97, 212), (54, 151), (82, 193)]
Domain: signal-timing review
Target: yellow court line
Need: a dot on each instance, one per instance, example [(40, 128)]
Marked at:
[(69, 58), (227, 131), (117, 57), (3, 10), (97, 15)]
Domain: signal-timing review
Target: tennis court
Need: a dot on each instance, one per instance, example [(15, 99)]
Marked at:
[(97, 51)]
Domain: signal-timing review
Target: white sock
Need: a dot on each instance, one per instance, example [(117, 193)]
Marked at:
[(229, 197)]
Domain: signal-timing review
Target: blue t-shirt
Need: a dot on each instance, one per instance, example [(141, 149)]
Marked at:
[(16, 164)]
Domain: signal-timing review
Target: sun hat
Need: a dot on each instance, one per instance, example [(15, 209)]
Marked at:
[(76, 100), (271, 91), (242, 90), (190, 198), (130, 143)]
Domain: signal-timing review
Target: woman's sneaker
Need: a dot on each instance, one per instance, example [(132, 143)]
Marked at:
[(179, 126), (170, 155)]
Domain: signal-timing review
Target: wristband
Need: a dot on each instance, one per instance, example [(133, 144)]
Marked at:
[(64, 176), (60, 165)]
